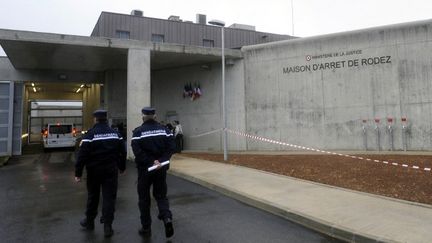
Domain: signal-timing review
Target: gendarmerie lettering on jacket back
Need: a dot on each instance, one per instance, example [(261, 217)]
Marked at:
[(152, 145), (103, 153)]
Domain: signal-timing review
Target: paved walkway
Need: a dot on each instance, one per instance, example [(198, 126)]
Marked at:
[(341, 213)]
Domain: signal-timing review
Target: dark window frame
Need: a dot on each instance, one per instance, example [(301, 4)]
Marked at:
[(208, 41), (160, 36), (123, 34)]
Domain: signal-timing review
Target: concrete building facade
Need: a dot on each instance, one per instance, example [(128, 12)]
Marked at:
[(318, 91), (176, 31), (324, 92)]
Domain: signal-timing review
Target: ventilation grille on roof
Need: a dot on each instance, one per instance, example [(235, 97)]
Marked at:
[(137, 12), (174, 18), (201, 19), (242, 27)]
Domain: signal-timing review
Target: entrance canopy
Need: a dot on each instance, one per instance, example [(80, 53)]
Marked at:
[(43, 51)]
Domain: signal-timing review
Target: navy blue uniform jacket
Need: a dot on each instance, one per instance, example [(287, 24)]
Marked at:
[(151, 141), (101, 148)]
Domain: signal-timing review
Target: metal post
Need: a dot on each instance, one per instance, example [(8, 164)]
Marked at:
[(404, 133), (390, 130), (378, 138), (365, 135), (224, 118), (377, 134)]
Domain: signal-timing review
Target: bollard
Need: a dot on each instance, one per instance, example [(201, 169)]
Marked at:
[(404, 133), (390, 132), (365, 145), (377, 132)]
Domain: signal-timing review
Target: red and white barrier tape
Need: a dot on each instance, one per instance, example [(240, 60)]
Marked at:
[(326, 152), (206, 133)]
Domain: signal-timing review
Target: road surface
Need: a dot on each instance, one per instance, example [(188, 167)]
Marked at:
[(42, 203)]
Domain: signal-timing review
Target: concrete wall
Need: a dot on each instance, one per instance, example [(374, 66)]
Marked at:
[(138, 89), (91, 102), (115, 94), (8, 72), (203, 114), (199, 116), (235, 102), (316, 91)]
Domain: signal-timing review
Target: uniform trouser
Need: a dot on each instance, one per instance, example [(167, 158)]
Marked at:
[(158, 180), (107, 180), (179, 142)]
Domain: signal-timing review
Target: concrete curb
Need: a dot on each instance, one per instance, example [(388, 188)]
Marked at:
[(303, 152), (310, 222), (326, 185)]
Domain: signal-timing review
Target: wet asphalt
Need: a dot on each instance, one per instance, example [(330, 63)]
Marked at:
[(42, 203)]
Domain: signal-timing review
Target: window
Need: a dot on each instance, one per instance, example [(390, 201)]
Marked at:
[(121, 34), (60, 129), (157, 38), (208, 43)]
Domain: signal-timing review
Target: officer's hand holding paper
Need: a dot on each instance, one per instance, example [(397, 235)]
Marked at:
[(157, 165)]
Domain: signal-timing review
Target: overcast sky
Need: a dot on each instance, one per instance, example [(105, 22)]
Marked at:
[(311, 17)]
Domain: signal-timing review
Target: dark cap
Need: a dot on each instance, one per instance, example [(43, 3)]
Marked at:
[(100, 114), (148, 111)]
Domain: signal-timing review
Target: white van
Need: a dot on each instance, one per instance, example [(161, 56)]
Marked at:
[(59, 135)]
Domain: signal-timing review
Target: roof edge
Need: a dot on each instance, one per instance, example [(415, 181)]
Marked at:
[(338, 34)]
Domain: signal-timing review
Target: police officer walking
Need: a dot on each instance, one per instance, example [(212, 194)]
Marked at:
[(152, 145), (103, 153)]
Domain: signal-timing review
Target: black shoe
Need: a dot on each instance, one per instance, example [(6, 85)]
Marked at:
[(169, 230), (87, 224), (145, 231), (108, 231)]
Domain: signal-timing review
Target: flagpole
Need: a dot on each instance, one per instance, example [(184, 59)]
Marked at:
[(224, 117), (224, 98)]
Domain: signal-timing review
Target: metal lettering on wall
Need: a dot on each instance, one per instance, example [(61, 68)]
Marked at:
[(356, 62)]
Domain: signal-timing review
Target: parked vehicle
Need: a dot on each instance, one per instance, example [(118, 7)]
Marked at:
[(59, 135)]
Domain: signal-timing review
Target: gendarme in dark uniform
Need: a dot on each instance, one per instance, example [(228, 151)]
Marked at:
[(103, 153), (152, 144)]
